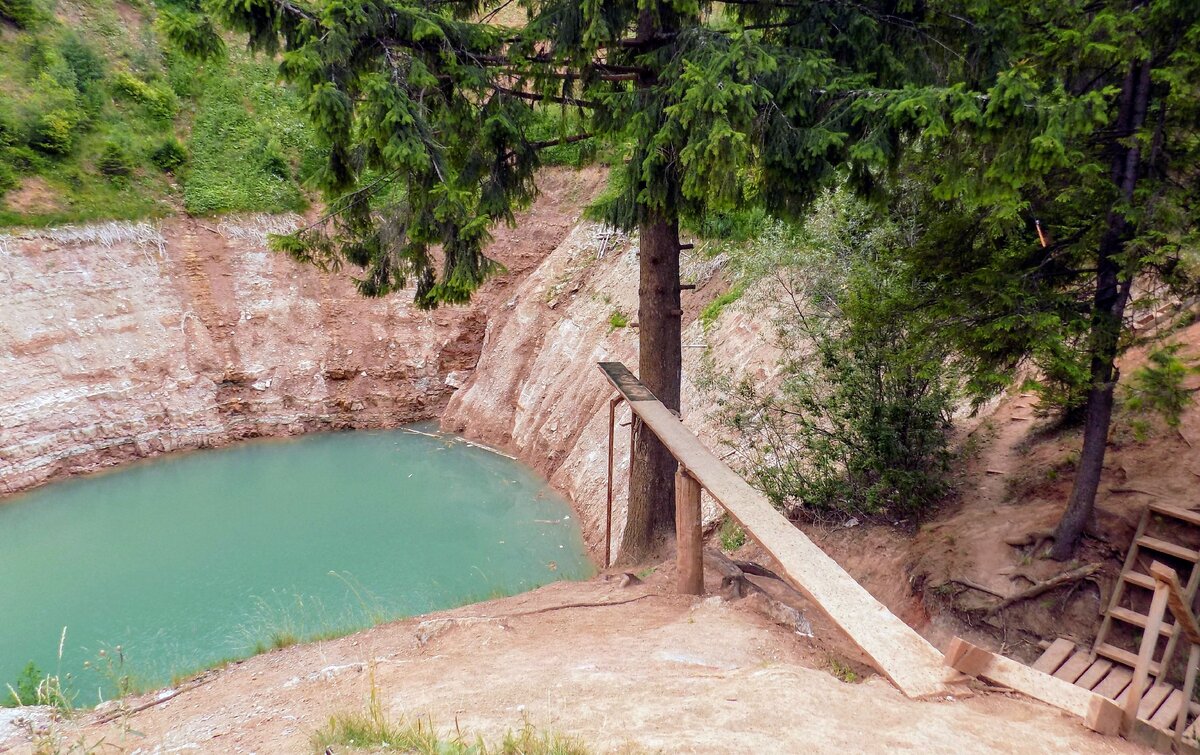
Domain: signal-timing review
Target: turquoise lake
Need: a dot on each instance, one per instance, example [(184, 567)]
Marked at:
[(186, 560)]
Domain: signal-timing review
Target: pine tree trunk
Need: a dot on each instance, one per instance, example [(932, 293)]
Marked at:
[(651, 512), (1113, 287)]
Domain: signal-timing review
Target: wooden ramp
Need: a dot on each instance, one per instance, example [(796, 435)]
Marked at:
[(902, 655)]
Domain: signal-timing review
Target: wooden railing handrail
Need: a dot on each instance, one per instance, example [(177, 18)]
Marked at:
[(1177, 601), (895, 648)]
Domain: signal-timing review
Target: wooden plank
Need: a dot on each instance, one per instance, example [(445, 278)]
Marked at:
[(1074, 667), (1141, 671), (1139, 620), (902, 655), (1094, 674), (689, 539), (1054, 656), (1139, 579), (1115, 683), (1123, 657), (1176, 600), (1164, 718), (1103, 715), (964, 657), (1191, 517), (1152, 699), (1189, 684), (1171, 549)]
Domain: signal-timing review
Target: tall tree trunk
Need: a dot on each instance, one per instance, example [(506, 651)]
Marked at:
[(1113, 288), (651, 513)]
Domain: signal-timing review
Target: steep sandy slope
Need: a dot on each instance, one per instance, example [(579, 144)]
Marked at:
[(123, 341)]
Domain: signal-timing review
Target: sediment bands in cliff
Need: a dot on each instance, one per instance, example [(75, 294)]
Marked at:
[(538, 393), (123, 341)]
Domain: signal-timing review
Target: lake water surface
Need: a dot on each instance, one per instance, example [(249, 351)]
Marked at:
[(186, 560)]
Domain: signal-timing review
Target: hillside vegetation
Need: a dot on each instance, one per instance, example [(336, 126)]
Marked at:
[(101, 119)]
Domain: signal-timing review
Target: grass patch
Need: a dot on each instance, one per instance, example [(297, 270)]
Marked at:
[(374, 731), (101, 120), (617, 320), (843, 672), (713, 309), (731, 534)]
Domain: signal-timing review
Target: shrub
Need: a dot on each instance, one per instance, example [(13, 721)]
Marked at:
[(169, 156), (54, 132), (1158, 387), (116, 160), (159, 101), (858, 423), (24, 690), (23, 13), (8, 179)]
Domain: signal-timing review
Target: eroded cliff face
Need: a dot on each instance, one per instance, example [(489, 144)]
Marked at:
[(538, 393), (122, 341)]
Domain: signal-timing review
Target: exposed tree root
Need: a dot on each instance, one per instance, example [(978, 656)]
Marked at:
[(1068, 577)]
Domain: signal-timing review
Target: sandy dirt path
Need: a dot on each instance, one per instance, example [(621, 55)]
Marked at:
[(651, 672)]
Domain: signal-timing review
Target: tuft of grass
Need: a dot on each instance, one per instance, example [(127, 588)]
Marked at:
[(713, 310), (843, 672), (731, 534), (373, 730), (617, 320)]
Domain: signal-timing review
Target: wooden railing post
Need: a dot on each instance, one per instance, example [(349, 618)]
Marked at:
[(1141, 672), (688, 537)]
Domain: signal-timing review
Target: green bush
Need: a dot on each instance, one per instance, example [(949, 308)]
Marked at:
[(8, 179), (859, 421), (24, 689), (54, 132), (169, 156), (159, 101), (23, 13), (116, 158)]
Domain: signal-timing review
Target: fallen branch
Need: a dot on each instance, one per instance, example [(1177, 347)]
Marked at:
[(120, 712), (974, 586), (1067, 577), (1135, 490)]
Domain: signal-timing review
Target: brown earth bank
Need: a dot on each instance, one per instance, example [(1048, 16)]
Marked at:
[(120, 341), (632, 669)]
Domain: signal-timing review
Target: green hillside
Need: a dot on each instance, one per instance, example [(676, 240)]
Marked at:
[(100, 119)]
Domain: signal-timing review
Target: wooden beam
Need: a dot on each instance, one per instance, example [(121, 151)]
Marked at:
[(1176, 600), (1141, 672), (895, 648), (1098, 713), (689, 539)]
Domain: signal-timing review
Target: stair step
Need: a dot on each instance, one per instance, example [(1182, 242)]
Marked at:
[(1171, 549), (1055, 655), (1165, 717), (1139, 620), (1139, 579), (1183, 515), (1095, 673), (1115, 683), (1153, 698), (1075, 666), (1124, 657)]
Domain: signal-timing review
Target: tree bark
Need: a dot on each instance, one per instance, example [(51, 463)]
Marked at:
[(1113, 287), (651, 513)]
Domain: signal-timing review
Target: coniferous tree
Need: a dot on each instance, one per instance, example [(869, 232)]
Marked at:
[(426, 110), (1061, 172)]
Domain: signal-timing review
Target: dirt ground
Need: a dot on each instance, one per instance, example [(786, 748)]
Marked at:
[(633, 669)]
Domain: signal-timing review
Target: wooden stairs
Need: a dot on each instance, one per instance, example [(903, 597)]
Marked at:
[(1164, 544)]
